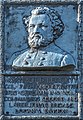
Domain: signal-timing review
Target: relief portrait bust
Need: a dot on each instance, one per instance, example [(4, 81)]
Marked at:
[(44, 26)]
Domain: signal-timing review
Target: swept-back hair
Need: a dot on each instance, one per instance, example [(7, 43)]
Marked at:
[(55, 18)]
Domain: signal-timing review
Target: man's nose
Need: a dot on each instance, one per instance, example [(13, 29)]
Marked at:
[(36, 29)]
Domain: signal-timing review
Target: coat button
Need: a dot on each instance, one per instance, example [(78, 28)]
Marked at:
[(42, 58), (28, 57), (44, 52), (26, 62), (40, 64)]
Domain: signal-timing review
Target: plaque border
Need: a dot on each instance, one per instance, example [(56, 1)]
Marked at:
[(80, 50)]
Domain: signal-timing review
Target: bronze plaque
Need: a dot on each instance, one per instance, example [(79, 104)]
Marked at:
[(40, 59), (41, 95)]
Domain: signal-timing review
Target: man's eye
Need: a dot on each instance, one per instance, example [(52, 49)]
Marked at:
[(45, 26), (32, 26)]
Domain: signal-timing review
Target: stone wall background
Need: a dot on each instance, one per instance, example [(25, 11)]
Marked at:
[(80, 57)]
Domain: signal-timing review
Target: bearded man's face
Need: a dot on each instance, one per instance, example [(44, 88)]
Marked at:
[(40, 31)]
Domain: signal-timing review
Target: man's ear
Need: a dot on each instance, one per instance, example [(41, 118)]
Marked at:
[(25, 20)]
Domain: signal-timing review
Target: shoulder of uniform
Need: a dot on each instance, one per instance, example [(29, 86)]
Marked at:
[(68, 59), (18, 60)]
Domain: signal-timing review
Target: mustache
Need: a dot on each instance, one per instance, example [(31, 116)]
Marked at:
[(36, 35)]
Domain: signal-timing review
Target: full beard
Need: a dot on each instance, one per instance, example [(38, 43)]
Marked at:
[(38, 42)]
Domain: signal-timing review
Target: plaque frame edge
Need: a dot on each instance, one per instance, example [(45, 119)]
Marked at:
[(2, 4)]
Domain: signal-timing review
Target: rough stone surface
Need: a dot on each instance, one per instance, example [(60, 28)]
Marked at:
[(41, 0), (80, 57), (1, 59)]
